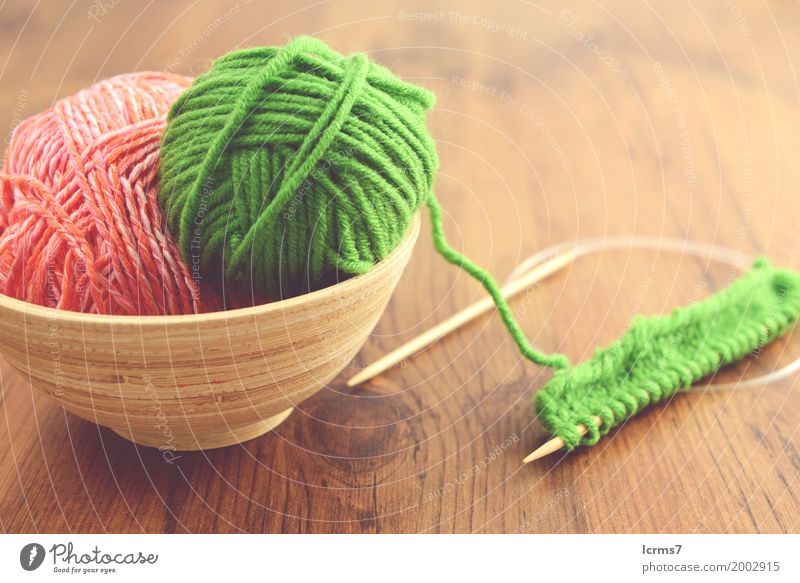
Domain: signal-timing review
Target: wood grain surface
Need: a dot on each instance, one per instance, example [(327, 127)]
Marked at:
[(554, 123)]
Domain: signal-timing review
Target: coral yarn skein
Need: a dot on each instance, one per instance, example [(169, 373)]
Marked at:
[(81, 226)]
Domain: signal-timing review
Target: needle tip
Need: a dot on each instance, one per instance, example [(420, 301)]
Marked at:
[(529, 458), (361, 376), (537, 454), (551, 446), (557, 443)]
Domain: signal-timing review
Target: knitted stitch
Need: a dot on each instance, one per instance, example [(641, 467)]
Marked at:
[(659, 355)]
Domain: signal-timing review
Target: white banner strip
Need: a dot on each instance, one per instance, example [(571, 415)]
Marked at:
[(387, 558)]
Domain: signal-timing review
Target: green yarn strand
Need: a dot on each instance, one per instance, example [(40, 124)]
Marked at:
[(313, 148), (456, 258), (660, 355)]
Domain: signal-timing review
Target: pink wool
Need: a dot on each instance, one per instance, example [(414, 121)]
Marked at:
[(81, 226)]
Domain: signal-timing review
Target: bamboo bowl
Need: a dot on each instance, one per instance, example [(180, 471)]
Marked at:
[(202, 381)]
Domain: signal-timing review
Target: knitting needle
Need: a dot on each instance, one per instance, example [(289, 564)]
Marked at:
[(557, 443), (463, 317)]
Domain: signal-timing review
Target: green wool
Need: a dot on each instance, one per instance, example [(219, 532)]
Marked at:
[(282, 167), (287, 168), (659, 355)]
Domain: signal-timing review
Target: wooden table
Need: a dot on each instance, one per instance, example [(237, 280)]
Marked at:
[(553, 125)]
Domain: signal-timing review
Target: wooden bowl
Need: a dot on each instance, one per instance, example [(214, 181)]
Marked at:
[(199, 381)]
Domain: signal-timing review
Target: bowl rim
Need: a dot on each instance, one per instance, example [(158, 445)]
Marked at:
[(54, 314)]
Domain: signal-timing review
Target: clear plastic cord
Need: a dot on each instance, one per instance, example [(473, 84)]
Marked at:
[(714, 253)]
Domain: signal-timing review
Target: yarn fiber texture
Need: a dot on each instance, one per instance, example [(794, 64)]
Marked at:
[(285, 168), (81, 226), (659, 355)]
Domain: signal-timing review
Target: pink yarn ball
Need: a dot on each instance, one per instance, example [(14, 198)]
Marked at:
[(81, 226)]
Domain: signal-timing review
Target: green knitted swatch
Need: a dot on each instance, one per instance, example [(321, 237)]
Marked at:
[(659, 355)]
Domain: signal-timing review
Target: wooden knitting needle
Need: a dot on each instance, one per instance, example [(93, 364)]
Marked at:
[(557, 443), (463, 317)]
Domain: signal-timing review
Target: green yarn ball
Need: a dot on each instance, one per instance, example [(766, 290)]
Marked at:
[(288, 168)]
